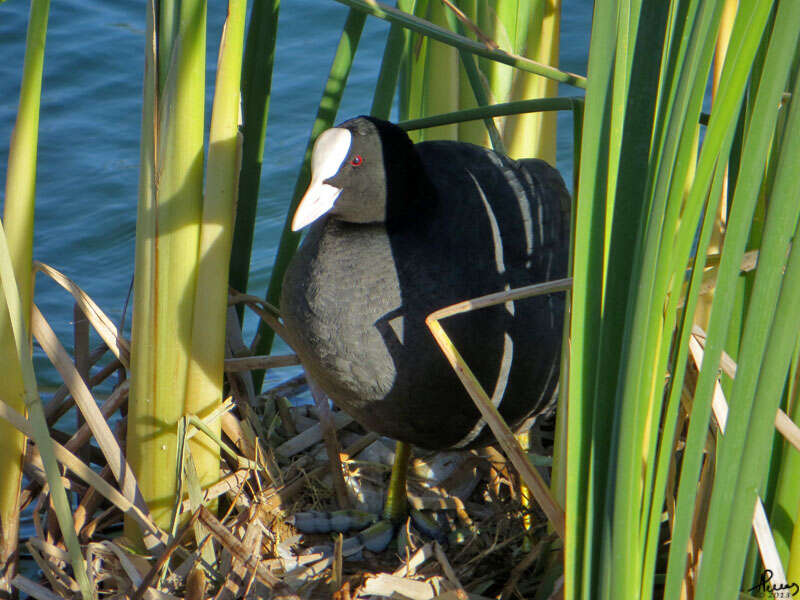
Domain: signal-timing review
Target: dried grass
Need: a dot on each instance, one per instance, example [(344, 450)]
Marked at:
[(260, 555), (279, 464)]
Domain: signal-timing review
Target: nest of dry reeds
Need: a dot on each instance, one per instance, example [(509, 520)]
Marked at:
[(499, 546), (288, 456)]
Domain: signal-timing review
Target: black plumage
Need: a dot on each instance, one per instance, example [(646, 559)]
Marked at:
[(416, 228)]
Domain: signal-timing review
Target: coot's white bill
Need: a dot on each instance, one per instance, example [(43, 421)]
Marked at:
[(330, 150), (318, 200)]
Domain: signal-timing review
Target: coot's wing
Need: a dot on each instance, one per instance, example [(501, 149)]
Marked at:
[(499, 225), (555, 195)]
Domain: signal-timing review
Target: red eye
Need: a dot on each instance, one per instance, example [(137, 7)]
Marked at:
[(356, 160)]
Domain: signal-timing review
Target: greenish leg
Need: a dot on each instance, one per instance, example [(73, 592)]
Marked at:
[(396, 507)]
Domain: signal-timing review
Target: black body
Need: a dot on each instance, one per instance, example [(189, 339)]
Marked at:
[(447, 221)]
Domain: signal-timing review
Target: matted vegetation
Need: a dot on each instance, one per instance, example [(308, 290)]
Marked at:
[(276, 466), (676, 467)]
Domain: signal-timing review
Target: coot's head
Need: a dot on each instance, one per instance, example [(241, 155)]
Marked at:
[(363, 171)]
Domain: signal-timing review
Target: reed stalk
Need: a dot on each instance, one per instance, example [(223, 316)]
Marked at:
[(418, 25), (259, 56), (20, 195), (205, 374), (397, 45), (648, 203), (529, 29), (326, 114), (167, 245), (435, 75), (437, 82), (32, 403), (536, 136)]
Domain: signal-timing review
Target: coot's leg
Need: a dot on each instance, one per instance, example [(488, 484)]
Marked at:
[(395, 509)]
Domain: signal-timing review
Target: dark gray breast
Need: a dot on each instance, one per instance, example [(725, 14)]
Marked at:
[(355, 298)]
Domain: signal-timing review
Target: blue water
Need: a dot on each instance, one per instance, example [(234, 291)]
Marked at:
[(91, 116)]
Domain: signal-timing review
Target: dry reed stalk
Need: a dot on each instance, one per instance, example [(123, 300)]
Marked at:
[(253, 363), (276, 497), (61, 401), (519, 570), (338, 559), (503, 434), (448, 571), (33, 589), (282, 405), (485, 39), (761, 528), (154, 537), (238, 549), (241, 577), (163, 557), (80, 353), (88, 407), (268, 313), (103, 325), (89, 502), (328, 428), (783, 423), (310, 436)]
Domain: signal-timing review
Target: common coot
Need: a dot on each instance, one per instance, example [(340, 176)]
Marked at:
[(399, 230)]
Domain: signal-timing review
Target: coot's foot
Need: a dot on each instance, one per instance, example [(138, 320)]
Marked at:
[(374, 533)]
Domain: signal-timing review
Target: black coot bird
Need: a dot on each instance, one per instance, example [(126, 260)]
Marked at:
[(399, 231)]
